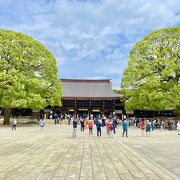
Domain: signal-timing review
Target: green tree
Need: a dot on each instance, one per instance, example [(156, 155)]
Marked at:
[(152, 78), (28, 74)]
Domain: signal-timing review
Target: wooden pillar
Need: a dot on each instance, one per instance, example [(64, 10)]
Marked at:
[(113, 109), (75, 108), (113, 105), (90, 110), (103, 107)]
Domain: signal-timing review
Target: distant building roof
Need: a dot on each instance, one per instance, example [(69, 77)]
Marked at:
[(84, 88)]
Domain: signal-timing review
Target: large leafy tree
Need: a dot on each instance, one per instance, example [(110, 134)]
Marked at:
[(152, 78), (28, 74)]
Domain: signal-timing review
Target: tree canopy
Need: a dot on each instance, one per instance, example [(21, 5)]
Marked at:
[(152, 78), (28, 73)]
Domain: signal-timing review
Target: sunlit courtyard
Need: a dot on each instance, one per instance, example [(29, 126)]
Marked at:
[(30, 153)]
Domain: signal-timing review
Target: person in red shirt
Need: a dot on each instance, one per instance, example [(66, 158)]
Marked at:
[(90, 126), (142, 126), (107, 126), (110, 128)]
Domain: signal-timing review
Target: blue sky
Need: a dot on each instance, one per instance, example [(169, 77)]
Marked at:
[(89, 38)]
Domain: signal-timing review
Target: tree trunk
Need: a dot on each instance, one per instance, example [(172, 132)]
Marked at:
[(7, 115)]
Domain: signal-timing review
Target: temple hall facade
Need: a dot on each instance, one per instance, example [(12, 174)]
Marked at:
[(86, 97)]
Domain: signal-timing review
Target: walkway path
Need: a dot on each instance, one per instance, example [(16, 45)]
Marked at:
[(30, 154)]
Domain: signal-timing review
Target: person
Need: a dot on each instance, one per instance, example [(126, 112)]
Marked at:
[(106, 124), (14, 124), (110, 128), (55, 118), (173, 125), (103, 122), (142, 126), (41, 123), (148, 128), (75, 124), (82, 125), (178, 127), (114, 125), (129, 122), (69, 119), (72, 119), (152, 125), (125, 128), (169, 125), (58, 119), (90, 126), (156, 123), (98, 126), (137, 122), (162, 126)]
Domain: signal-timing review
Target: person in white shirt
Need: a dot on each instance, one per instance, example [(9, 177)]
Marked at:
[(162, 126), (178, 127), (41, 123), (14, 125)]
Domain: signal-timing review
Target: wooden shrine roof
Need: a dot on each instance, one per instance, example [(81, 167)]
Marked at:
[(85, 88)]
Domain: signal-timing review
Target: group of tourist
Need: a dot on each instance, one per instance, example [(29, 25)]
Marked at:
[(150, 125), (109, 124), (146, 126)]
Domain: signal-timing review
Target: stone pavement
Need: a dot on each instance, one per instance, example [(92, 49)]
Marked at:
[(30, 153)]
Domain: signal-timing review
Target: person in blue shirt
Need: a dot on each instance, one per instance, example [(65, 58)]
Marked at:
[(114, 125), (125, 127), (82, 124), (98, 126)]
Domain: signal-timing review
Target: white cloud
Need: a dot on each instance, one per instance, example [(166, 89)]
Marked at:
[(89, 38)]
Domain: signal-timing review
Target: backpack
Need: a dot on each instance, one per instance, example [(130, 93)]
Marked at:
[(98, 124), (148, 126)]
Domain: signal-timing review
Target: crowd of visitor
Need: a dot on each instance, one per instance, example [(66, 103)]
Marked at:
[(111, 124), (146, 126)]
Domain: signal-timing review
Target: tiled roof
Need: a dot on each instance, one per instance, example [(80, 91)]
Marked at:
[(76, 88)]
